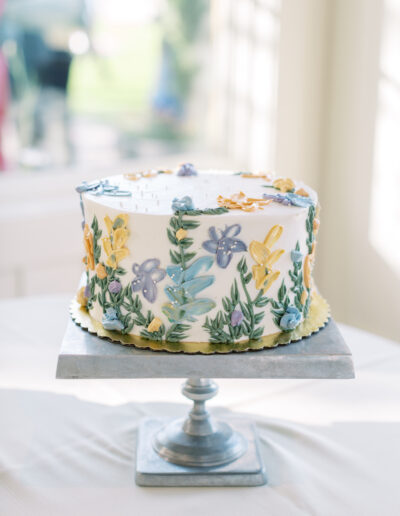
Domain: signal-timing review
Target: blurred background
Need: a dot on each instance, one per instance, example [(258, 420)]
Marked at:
[(308, 88)]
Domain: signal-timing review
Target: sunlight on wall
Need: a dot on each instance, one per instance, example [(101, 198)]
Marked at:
[(245, 36), (385, 206)]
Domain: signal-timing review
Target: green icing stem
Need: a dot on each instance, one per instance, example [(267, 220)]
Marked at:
[(220, 328)]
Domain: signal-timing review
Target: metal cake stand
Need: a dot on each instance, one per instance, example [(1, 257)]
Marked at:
[(197, 450)]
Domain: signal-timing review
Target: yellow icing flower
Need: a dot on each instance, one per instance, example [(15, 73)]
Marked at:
[(303, 298), (101, 271), (257, 175), (240, 201), (284, 185), (181, 234), (81, 298), (302, 192), (149, 173), (133, 176), (117, 237), (88, 243), (307, 271), (261, 253), (315, 225), (154, 325)]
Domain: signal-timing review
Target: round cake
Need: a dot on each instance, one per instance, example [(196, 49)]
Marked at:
[(207, 257)]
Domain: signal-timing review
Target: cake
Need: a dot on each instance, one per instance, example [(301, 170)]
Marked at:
[(208, 257)]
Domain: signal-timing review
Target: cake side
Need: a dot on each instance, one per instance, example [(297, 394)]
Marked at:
[(186, 272)]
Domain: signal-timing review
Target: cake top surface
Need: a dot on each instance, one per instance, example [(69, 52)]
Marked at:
[(164, 192)]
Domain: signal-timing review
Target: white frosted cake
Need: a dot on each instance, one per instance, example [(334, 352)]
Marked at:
[(198, 256)]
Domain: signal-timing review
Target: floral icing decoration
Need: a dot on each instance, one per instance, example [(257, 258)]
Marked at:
[(181, 234), (257, 175), (88, 243), (114, 244), (187, 169), (147, 276), (101, 271), (240, 201), (307, 271), (279, 198), (187, 280), (81, 296), (290, 199), (127, 310), (187, 284), (184, 204), (102, 187), (87, 291), (135, 176), (115, 287), (261, 253), (236, 318), (302, 192), (110, 320), (296, 276), (239, 316), (284, 185), (223, 243), (291, 319), (155, 325), (296, 256)]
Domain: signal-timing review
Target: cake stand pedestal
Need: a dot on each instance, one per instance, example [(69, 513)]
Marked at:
[(197, 450)]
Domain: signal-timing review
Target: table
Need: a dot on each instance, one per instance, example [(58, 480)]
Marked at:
[(333, 447)]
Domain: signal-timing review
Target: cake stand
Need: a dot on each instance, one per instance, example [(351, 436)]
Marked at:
[(197, 450)]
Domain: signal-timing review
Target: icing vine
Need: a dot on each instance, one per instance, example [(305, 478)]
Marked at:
[(238, 317), (310, 227), (296, 276), (184, 304)]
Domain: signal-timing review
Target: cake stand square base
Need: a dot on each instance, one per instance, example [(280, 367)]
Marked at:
[(152, 470)]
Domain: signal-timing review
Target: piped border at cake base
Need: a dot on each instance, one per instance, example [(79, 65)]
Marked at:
[(318, 316)]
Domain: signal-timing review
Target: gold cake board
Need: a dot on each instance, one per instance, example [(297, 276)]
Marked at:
[(318, 316)]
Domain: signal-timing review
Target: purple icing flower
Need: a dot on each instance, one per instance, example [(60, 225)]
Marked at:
[(290, 199), (87, 291), (115, 287), (147, 275), (187, 169), (236, 318), (223, 244), (281, 199)]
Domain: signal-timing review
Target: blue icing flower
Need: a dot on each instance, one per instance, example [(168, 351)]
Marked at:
[(300, 200), (187, 284), (223, 244), (147, 276), (281, 199), (236, 318), (290, 199), (110, 320), (296, 256), (102, 188), (184, 204), (290, 319), (187, 169)]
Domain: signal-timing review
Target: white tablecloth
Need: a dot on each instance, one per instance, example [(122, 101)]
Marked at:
[(331, 447)]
